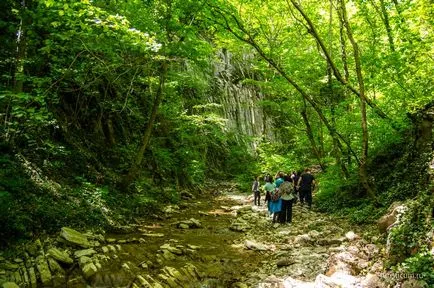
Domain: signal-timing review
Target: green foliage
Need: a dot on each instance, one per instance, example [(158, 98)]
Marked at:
[(411, 235), (339, 195), (420, 264)]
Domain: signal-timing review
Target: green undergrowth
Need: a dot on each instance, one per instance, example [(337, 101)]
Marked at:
[(398, 173), (30, 208)]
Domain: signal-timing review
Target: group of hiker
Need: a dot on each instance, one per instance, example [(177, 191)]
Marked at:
[(282, 191)]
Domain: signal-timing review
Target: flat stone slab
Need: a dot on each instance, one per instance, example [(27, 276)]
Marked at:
[(74, 237), (85, 252), (61, 256)]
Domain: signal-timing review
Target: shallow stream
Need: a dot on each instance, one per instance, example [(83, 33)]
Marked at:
[(219, 264)]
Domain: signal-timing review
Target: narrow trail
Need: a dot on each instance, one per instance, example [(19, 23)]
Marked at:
[(210, 242)]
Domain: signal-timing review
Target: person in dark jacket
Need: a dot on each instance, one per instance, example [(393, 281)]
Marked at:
[(305, 184)]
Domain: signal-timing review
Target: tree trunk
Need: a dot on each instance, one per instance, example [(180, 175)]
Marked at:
[(133, 171), (387, 24), (309, 133), (364, 123)]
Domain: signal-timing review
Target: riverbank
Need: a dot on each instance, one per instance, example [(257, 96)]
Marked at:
[(216, 239)]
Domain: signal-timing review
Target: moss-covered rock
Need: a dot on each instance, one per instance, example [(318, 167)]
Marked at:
[(74, 237)]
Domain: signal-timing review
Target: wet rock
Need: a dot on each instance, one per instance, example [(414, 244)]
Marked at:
[(171, 209), (57, 272), (240, 225), (35, 248), (123, 229), (190, 223), (9, 266), (171, 249), (191, 271), (159, 235), (244, 210), (74, 237), (167, 255), (55, 268), (85, 252), (32, 276), (10, 285), (284, 262), (125, 266), (89, 270), (329, 242), (145, 283), (194, 247), (44, 270), (252, 245), (183, 226), (82, 261), (187, 195), (61, 256), (303, 239), (95, 237)]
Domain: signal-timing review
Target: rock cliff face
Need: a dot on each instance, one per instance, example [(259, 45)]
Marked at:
[(238, 96)]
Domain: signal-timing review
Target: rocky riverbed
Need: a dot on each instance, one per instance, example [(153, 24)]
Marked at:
[(219, 241)]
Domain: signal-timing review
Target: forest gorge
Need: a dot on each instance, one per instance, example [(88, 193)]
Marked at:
[(132, 130)]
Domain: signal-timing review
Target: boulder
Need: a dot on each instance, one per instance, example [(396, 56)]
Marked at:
[(61, 256), (387, 220), (74, 237)]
